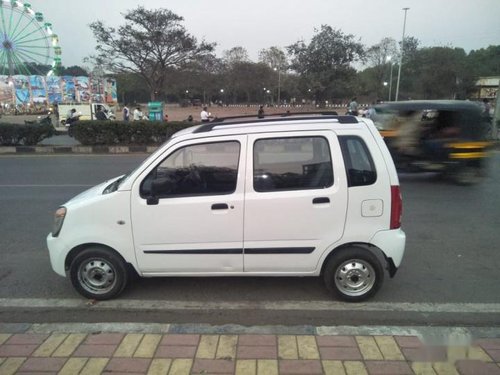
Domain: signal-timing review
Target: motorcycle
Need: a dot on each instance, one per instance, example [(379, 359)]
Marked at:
[(47, 120)]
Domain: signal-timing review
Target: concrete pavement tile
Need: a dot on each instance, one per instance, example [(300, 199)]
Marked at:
[(94, 366), (267, 367), (159, 366), (425, 354), (95, 351), (355, 368), (139, 365), (488, 343), (456, 353), (340, 353), (26, 339), (50, 345), (69, 345), (257, 340), (336, 341), (388, 368), (389, 348), (368, 348), (470, 367), (181, 367), (148, 346), (17, 350), (4, 337), (307, 347), (207, 347), (11, 365), (287, 347), (246, 367), (227, 347), (215, 366), (188, 340), (169, 351), (43, 364), (408, 341), (444, 368), (257, 352), (476, 352), (494, 354), (300, 366), (104, 339), (73, 366), (333, 368), (423, 368), (128, 345)]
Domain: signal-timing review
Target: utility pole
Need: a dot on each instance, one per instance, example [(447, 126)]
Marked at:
[(401, 55)]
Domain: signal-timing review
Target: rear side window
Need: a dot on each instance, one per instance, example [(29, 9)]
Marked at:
[(359, 163), (292, 163)]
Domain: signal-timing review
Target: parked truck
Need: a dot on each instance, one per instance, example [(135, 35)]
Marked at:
[(85, 111)]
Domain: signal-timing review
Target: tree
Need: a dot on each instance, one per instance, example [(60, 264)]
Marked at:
[(325, 63), (274, 57), (381, 58), (148, 44), (235, 55)]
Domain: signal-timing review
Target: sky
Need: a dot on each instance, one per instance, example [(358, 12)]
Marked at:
[(260, 24)]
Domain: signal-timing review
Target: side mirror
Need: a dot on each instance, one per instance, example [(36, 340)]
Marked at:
[(159, 187)]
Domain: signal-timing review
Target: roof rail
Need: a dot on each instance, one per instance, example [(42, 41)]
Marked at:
[(234, 120)]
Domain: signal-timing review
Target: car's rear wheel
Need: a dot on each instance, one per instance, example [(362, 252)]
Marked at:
[(353, 274), (98, 273)]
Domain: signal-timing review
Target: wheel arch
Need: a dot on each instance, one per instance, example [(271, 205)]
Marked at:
[(388, 262), (77, 249)]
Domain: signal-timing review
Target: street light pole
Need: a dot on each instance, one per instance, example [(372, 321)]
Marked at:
[(390, 79), (401, 55)]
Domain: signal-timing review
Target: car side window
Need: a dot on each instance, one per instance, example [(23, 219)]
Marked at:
[(201, 169), (292, 163), (358, 161)]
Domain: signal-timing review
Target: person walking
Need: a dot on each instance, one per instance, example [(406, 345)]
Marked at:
[(205, 115), (260, 113), (126, 113), (353, 107), (137, 114)]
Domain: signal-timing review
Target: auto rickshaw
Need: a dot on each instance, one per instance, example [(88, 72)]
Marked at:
[(448, 137)]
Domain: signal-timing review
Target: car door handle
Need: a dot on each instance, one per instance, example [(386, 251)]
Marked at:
[(321, 200), (220, 206)]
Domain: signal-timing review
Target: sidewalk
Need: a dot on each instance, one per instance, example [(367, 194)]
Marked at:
[(165, 349)]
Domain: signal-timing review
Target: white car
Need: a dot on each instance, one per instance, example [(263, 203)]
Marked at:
[(300, 195)]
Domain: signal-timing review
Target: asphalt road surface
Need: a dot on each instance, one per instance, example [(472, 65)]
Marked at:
[(449, 276)]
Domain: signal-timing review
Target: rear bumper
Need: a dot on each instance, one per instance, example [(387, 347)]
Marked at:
[(392, 243)]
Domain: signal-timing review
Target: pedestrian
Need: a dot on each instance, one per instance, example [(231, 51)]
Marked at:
[(260, 113), (137, 114), (353, 107), (126, 113), (205, 115)]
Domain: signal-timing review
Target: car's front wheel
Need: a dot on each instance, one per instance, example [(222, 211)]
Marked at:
[(98, 273), (353, 274)]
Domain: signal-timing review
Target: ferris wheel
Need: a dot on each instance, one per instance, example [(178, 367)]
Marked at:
[(26, 40)]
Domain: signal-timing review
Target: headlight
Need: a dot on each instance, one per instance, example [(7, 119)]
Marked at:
[(59, 216)]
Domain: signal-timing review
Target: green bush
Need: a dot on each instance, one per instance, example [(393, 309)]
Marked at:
[(93, 133), (27, 135)]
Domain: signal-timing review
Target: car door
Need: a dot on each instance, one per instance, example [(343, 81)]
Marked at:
[(295, 202), (187, 209)]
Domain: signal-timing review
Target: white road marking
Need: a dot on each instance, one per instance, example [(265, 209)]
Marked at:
[(160, 305)]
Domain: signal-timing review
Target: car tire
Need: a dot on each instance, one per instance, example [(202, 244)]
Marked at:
[(353, 274), (98, 273)]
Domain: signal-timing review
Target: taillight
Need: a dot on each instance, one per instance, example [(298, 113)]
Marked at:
[(396, 207)]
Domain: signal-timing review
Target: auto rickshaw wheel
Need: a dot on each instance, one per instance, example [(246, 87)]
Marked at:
[(467, 174)]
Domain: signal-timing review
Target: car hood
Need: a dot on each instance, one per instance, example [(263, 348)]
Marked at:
[(92, 192)]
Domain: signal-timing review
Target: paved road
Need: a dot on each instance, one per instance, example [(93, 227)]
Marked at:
[(452, 259)]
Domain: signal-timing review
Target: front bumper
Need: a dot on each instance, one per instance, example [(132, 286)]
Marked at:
[(57, 252)]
